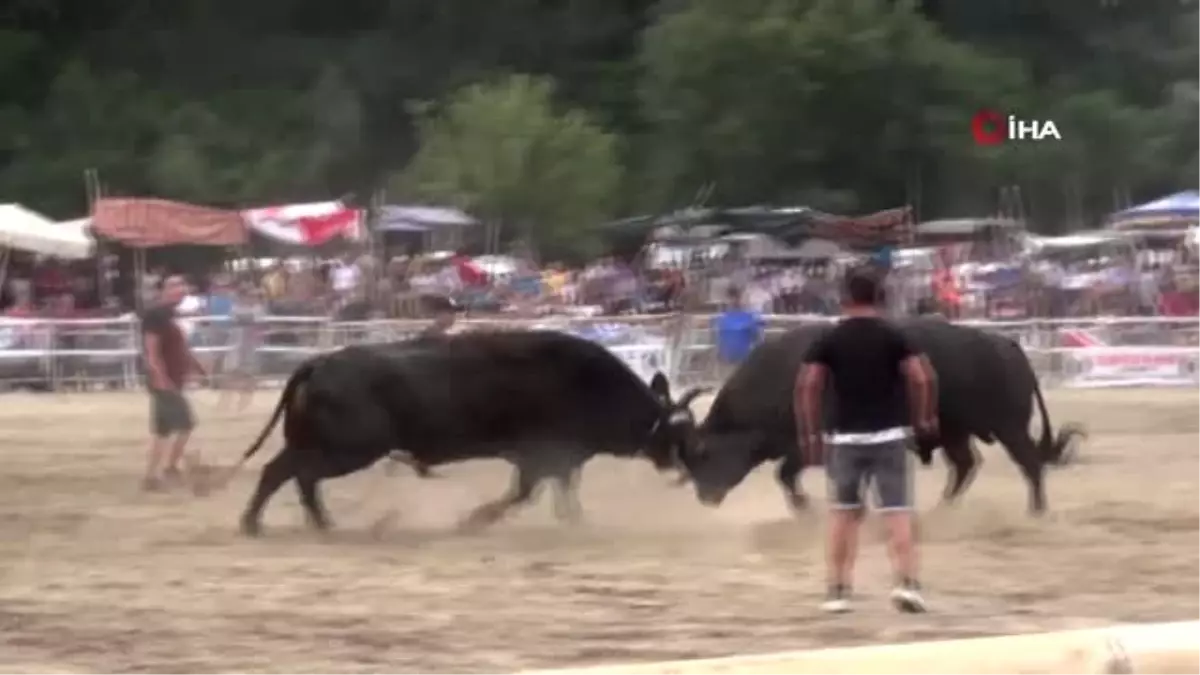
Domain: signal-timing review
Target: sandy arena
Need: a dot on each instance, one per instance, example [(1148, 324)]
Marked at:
[(98, 577)]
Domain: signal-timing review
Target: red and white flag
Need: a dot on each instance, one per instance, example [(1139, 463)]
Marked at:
[(310, 224)]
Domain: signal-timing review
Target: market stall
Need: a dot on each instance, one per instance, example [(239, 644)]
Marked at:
[(1088, 272), (143, 224), (1178, 211), (24, 230)]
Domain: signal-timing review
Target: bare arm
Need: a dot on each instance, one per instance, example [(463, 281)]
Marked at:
[(922, 390), (810, 387)]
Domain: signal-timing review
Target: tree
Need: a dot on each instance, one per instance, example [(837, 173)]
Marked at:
[(502, 151), (841, 104), (787, 100)]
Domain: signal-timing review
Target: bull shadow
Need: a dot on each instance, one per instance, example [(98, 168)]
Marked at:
[(796, 535), (293, 534), (983, 521)]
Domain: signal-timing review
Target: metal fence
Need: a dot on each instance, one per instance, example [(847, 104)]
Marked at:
[(104, 353)]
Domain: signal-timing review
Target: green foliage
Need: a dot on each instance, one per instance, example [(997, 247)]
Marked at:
[(546, 117), (502, 152)]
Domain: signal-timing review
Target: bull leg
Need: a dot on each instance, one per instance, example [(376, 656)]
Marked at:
[(277, 472), (788, 475), (524, 482), (400, 457), (567, 508), (1024, 452), (310, 498), (963, 460)]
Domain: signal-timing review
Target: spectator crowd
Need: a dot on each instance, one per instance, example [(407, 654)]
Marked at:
[(357, 288)]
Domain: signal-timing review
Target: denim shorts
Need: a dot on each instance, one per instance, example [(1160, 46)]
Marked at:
[(851, 466)]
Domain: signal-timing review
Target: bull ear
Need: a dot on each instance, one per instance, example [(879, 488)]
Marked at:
[(660, 386), (691, 395)]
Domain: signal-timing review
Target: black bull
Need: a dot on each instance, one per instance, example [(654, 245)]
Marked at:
[(985, 388), (545, 401)]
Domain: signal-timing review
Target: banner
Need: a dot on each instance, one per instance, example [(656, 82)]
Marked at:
[(310, 224), (645, 359), (644, 353), (1131, 366)]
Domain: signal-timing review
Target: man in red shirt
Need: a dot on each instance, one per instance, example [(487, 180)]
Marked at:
[(1174, 301), (168, 361), (21, 309)]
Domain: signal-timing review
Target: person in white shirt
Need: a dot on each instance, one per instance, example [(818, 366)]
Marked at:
[(345, 278), (758, 296), (191, 306)]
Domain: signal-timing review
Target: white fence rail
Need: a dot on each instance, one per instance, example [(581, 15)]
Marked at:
[(104, 353)]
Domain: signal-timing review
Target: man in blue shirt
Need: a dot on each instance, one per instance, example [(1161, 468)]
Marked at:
[(738, 331), (217, 333), (220, 298)]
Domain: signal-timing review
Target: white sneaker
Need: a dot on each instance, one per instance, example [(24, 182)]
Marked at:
[(907, 600), (836, 606), (837, 600)]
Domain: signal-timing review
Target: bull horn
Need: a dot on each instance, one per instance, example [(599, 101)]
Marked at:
[(681, 466), (684, 476), (691, 395)]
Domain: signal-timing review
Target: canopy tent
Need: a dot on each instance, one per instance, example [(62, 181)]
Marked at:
[(791, 225), (25, 230), (819, 249), (1181, 207), (143, 224), (890, 227), (1073, 241), (966, 228), (149, 223), (397, 218)]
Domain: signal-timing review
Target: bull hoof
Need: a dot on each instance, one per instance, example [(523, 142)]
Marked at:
[(475, 522), (569, 517), (251, 528), (797, 503), (469, 526), (482, 516), (384, 524)]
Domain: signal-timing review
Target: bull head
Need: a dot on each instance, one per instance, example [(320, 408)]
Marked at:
[(691, 395), (683, 428), (676, 428)]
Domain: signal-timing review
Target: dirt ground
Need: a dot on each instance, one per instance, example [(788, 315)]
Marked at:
[(95, 576)]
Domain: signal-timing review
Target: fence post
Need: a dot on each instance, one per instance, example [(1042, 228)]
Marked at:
[(134, 347), (52, 349)]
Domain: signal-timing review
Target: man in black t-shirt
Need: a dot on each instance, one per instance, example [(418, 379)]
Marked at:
[(869, 362)]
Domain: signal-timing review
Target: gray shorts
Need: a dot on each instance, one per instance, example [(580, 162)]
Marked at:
[(170, 413), (851, 466)]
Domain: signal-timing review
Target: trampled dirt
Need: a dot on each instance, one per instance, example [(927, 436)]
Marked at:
[(95, 576)]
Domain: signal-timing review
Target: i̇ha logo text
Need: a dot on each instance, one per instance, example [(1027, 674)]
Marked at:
[(990, 127)]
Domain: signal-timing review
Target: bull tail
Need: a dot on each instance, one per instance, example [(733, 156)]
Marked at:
[(286, 399), (1053, 449)]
